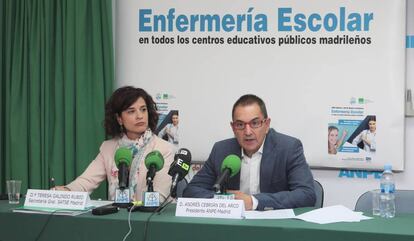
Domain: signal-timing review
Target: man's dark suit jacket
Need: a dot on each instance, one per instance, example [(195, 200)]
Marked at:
[(285, 178)]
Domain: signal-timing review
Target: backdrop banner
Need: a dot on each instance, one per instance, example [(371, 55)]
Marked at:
[(332, 73)]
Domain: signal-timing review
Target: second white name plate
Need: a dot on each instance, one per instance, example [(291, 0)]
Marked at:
[(210, 208), (36, 198)]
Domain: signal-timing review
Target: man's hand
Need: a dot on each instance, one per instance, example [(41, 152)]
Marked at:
[(247, 199)]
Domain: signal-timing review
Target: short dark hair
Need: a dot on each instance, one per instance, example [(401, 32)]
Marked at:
[(121, 100), (174, 112), (250, 99)]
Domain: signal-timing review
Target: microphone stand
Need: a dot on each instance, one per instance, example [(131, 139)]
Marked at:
[(173, 190), (143, 208), (123, 205), (150, 185), (223, 187)]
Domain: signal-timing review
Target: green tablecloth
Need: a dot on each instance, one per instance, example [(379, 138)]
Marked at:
[(165, 226)]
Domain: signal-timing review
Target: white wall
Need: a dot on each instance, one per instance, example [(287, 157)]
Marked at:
[(346, 190)]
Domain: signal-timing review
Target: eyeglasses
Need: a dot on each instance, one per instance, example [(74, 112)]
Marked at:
[(254, 124)]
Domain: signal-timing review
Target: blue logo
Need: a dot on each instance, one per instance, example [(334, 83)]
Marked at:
[(359, 174)]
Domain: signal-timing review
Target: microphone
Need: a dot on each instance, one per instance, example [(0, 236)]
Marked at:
[(230, 167), (179, 169), (154, 162), (123, 157)]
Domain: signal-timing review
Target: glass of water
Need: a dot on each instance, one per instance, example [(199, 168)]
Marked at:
[(13, 190), (376, 202)]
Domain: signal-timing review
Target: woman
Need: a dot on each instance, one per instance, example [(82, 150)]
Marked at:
[(367, 136), (171, 130), (333, 142), (130, 118)]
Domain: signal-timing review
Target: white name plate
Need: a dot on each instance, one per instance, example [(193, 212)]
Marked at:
[(151, 199), (122, 196), (224, 196), (53, 199), (209, 208)]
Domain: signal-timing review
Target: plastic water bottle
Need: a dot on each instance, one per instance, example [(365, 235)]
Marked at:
[(387, 198)]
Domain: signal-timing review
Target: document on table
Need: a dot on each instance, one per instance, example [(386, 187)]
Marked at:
[(332, 214), (64, 212), (270, 214)]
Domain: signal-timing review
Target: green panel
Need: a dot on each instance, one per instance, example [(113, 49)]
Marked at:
[(165, 226), (56, 74)]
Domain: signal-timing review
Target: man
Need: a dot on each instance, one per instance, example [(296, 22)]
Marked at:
[(274, 173)]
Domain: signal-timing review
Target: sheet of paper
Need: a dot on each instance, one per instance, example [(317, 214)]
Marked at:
[(332, 214), (271, 214), (49, 211), (64, 212), (99, 203)]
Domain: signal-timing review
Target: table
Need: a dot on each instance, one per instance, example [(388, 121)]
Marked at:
[(165, 226)]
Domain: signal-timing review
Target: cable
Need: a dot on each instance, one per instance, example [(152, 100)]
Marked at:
[(129, 224), (163, 208), (46, 223), (163, 204), (152, 214)]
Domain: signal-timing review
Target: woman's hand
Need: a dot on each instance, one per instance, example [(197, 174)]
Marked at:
[(60, 188), (365, 140)]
